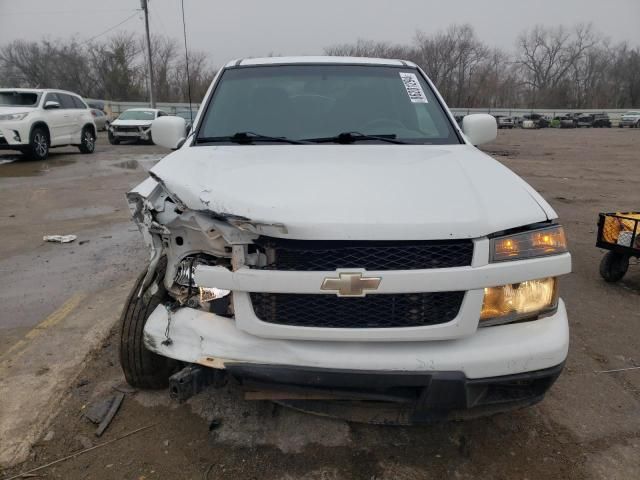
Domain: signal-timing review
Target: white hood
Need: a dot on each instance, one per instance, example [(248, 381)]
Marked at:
[(356, 192), (132, 123)]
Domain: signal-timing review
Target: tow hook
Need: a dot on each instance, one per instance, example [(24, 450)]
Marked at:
[(192, 380)]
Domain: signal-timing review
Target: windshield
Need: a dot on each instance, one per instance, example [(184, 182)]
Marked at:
[(305, 102), (137, 115), (22, 99)]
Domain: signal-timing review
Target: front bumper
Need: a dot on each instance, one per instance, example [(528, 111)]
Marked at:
[(396, 398), (13, 135), (143, 133), (214, 341)]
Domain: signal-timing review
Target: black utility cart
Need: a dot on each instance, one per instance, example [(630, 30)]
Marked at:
[(620, 234)]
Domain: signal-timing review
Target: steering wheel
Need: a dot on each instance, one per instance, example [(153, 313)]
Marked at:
[(381, 122)]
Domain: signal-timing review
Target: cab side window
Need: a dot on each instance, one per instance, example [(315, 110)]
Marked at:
[(161, 114), (78, 103), (67, 101)]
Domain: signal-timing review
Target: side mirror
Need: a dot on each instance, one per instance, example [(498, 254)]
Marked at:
[(51, 104), (169, 132), (480, 128)]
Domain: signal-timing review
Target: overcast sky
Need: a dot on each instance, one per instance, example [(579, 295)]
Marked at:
[(230, 29)]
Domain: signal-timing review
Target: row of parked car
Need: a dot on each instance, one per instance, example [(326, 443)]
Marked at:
[(571, 120), (33, 121)]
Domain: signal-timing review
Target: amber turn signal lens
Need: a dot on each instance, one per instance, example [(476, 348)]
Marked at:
[(535, 243)]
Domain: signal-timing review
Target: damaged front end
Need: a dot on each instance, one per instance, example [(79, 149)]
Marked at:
[(188, 239), (212, 312)]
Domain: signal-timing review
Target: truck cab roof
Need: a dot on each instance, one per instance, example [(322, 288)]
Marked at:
[(315, 60)]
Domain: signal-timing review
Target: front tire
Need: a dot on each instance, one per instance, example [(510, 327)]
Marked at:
[(614, 266), (87, 141), (113, 140), (143, 368), (38, 144)]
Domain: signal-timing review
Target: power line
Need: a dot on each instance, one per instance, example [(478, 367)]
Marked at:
[(64, 12), (111, 28), (186, 58)]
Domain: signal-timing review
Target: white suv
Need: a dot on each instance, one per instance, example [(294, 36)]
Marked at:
[(133, 124), (327, 231), (34, 120)]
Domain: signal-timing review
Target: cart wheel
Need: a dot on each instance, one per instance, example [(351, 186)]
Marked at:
[(613, 266)]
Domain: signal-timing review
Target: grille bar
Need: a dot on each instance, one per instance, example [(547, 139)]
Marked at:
[(373, 311), (303, 255)]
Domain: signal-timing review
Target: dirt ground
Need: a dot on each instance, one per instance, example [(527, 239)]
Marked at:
[(587, 427)]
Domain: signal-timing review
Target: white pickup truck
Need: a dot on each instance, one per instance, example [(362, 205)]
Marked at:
[(327, 231)]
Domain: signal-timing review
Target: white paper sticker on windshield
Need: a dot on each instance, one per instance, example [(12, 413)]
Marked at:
[(413, 87)]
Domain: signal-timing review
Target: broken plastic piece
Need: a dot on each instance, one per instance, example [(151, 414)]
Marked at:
[(59, 238), (207, 294)]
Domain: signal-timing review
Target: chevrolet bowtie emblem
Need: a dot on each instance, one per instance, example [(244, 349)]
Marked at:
[(351, 284)]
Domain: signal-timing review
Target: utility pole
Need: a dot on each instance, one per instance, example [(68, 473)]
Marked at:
[(145, 7)]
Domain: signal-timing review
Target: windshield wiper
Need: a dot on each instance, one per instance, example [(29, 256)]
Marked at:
[(247, 138), (351, 137)]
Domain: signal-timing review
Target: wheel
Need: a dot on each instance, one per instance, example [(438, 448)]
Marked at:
[(87, 141), (143, 368), (113, 140), (38, 144), (613, 266)]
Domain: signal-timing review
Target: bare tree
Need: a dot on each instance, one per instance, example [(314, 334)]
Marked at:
[(117, 69), (554, 67), (547, 56)]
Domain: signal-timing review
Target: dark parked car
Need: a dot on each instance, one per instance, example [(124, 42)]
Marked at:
[(517, 121), (568, 121), (601, 120), (596, 120), (584, 120), (540, 121)]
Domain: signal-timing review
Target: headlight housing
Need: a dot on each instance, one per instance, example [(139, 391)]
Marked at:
[(14, 116), (534, 243), (519, 301), (184, 278)]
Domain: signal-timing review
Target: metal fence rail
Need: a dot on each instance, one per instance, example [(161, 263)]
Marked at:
[(116, 108), (614, 114)]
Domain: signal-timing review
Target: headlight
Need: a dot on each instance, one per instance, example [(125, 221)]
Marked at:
[(535, 243), (184, 277), (14, 116), (518, 301)]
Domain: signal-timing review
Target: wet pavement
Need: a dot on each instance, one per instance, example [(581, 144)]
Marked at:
[(69, 193)]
